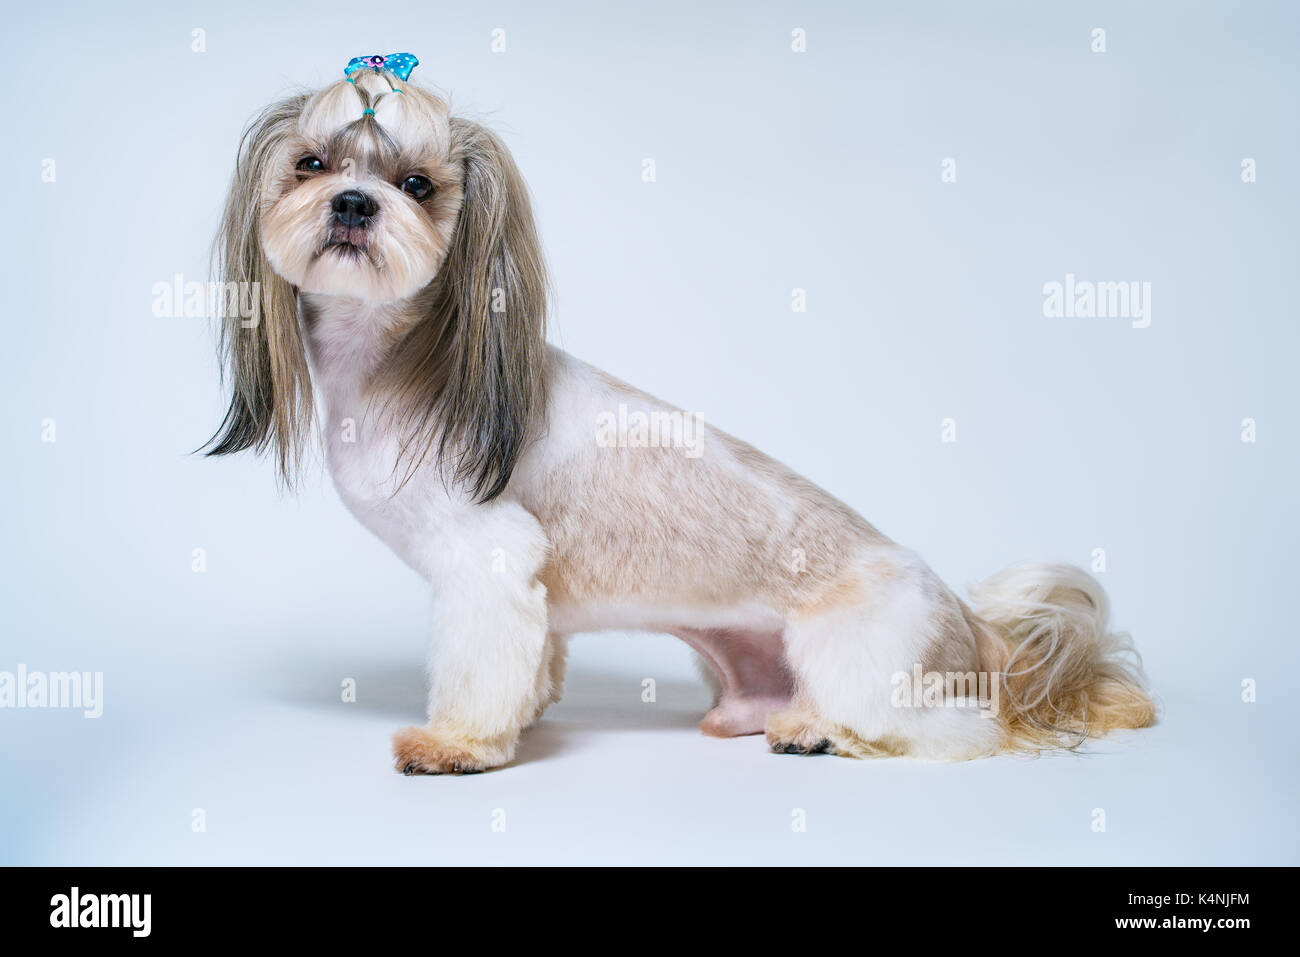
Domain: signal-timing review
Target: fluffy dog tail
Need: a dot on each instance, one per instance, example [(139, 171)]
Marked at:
[(1063, 676)]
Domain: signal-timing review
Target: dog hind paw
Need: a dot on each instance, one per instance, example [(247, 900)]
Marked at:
[(798, 732)]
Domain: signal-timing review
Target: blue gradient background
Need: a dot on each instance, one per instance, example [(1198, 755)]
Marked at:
[(775, 171)]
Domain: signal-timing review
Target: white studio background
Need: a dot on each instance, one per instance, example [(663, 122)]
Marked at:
[(774, 171)]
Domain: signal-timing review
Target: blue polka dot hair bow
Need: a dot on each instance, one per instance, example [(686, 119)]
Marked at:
[(399, 64)]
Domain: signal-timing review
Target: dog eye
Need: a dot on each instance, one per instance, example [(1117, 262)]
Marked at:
[(310, 164), (420, 187)]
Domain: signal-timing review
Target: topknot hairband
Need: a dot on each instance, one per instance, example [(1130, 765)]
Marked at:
[(399, 64)]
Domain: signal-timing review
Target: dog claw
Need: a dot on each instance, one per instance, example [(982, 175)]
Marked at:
[(789, 747), (458, 769)]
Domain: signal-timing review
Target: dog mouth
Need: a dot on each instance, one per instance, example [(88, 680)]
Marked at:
[(351, 241)]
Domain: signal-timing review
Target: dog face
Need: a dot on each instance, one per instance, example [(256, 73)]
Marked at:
[(362, 199), (371, 191)]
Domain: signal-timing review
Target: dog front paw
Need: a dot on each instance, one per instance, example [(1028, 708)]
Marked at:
[(424, 751)]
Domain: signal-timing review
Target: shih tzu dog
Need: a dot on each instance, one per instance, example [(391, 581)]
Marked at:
[(402, 300)]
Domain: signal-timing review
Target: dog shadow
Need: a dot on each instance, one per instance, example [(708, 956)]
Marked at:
[(594, 701)]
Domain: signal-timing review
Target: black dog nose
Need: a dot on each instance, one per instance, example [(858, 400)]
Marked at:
[(353, 207)]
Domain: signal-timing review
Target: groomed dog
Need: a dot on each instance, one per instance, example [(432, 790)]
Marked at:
[(403, 307)]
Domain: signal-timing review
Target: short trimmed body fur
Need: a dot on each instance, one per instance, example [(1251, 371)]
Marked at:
[(410, 328)]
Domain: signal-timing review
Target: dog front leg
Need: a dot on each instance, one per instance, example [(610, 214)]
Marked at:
[(489, 642)]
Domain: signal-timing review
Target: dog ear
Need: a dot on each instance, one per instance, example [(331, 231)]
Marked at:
[(263, 357), (472, 376)]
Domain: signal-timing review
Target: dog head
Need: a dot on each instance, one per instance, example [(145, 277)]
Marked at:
[(370, 190)]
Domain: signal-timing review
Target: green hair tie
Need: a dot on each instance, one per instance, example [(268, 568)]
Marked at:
[(368, 113)]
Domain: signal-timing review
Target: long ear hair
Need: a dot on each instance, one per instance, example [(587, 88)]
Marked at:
[(264, 360), (469, 379)]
